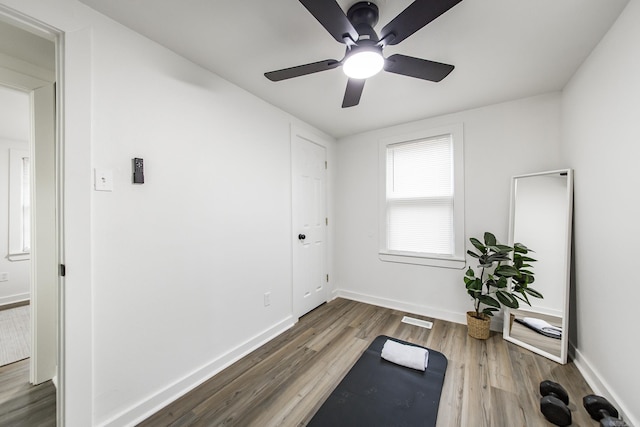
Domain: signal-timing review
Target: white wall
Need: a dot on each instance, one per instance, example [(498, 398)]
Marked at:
[(541, 208), (181, 262), (17, 288), (500, 141), (172, 289), (601, 141), (14, 134)]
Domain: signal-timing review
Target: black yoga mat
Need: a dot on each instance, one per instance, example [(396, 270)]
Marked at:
[(376, 392)]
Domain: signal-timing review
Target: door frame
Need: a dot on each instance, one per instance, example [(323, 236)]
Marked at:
[(30, 82), (297, 131), (45, 236)]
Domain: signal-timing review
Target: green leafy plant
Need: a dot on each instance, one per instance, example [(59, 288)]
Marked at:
[(504, 277)]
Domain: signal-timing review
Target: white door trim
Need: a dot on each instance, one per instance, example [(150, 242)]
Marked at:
[(74, 106), (44, 237)]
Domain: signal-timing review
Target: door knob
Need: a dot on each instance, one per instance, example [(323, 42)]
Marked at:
[(301, 236)]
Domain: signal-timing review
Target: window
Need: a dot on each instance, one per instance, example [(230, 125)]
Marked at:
[(422, 198), (19, 205), (25, 204)]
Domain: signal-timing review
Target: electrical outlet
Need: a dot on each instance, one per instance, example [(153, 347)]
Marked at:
[(4, 277), (267, 299)]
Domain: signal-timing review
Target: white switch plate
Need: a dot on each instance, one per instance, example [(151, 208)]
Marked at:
[(103, 179), (4, 277)]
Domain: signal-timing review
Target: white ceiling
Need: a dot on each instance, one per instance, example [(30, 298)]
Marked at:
[(502, 50)]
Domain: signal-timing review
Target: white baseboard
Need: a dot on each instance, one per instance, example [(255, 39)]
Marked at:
[(601, 388), (12, 299), (496, 323), (149, 406), (404, 306)]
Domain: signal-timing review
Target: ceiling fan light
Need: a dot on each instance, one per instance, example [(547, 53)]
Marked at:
[(363, 64)]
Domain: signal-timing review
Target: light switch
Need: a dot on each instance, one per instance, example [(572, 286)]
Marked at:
[(103, 179)]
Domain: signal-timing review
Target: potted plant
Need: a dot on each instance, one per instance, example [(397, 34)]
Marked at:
[(504, 277)]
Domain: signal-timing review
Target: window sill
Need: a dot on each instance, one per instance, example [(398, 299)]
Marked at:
[(19, 256), (432, 261)]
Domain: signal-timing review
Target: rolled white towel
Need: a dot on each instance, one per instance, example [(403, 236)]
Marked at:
[(543, 325), (405, 355)]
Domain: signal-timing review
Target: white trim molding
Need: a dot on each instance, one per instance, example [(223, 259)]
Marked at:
[(422, 310), (12, 299)]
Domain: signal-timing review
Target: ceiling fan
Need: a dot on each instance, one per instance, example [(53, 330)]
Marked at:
[(363, 57)]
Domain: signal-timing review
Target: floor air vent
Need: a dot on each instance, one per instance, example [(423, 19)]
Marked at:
[(417, 322)]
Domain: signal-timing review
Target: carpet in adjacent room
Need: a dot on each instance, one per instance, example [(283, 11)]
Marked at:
[(14, 334)]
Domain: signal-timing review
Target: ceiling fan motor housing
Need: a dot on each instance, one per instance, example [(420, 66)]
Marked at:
[(364, 16)]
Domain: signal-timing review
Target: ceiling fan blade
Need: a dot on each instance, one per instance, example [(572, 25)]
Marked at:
[(416, 67), (415, 16), (353, 92), (332, 18), (302, 70)]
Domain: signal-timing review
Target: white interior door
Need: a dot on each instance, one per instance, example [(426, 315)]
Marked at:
[(309, 224), (44, 258)]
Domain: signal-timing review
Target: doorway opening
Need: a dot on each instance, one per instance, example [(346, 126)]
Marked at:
[(29, 194), (15, 226)]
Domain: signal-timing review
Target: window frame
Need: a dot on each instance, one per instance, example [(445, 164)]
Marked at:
[(17, 249), (457, 259)]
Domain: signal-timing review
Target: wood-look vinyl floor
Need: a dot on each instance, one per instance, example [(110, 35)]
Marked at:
[(283, 383), (24, 405)]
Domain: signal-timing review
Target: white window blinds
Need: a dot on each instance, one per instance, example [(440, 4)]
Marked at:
[(420, 196), (25, 194)]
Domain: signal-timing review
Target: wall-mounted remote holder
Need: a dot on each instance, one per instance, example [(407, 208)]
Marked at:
[(138, 171)]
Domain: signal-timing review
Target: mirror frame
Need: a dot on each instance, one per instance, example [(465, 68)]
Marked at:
[(564, 342)]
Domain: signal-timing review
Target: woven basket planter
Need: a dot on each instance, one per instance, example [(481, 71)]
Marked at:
[(478, 327)]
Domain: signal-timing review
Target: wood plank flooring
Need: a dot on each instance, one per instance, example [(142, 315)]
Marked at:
[(22, 404), (283, 383)]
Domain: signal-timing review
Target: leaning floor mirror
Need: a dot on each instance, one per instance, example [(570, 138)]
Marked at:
[(541, 219)]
